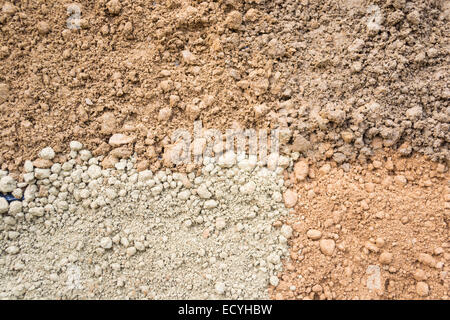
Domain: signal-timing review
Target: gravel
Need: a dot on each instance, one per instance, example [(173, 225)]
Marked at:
[(7, 184), (75, 146), (3, 205), (327, 246)]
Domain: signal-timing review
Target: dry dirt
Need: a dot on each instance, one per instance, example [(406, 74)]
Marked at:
[(391, 215)]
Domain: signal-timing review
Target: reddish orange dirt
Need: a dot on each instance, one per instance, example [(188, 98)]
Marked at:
[(393, 214)]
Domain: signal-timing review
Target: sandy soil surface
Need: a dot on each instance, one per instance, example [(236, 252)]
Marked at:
[(344, 73)]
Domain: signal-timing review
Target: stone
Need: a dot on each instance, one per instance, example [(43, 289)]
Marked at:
[(85, 155), (36, 211), (142, 165), (209, 204), (165, 114), (277, 196), (227, 160), (420, 275), (188, 57), (9, 9), (427, 259), (339, 157), (283, 162), (379, 242), (290, 198), (75, 145), (327, 246), (386, 258), (47, 153), (317, 288), (314, 234), (325, 169), (300, 144), (405, 149), (198, 147), (12, 250), (9, 221), (145, 176), (203, 192), (114, 7), (120, 139), (111, 193), (220, 288), (139, 246), (3, 205), (56, 168), (94, 171), (274, 281), (273, 258), (41, 174), (422, 289), (441, 168), (109, 162), (248, 164), (121, 152), (42, 163), (220, 223), (356, 45), (248, 188), (260, 110), (414, 17), (7, 184), (106, 243), (414, 113), (131, 251), (43, 27), (184, 195), (371, 247), (272, 161), (121, 165), (400, 180), (286, 231), (251, 15), (28, 166), (233, 20), (15, 207)]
